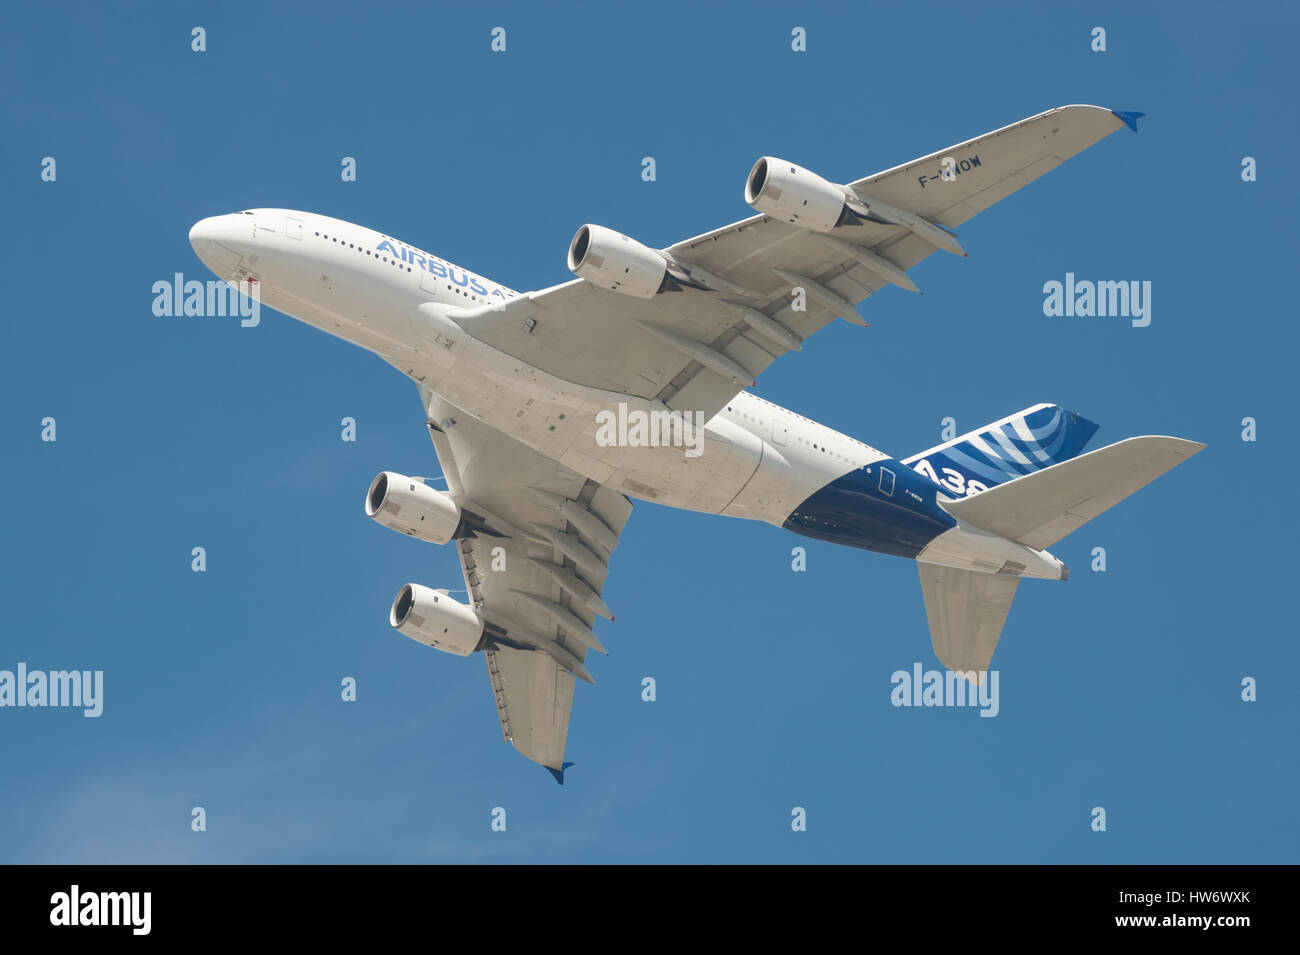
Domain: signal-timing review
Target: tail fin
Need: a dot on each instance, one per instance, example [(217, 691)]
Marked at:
[(1019, 444), (1039, 509), (967, 609)]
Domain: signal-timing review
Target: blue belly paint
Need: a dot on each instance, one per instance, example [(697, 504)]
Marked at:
[(884, 506)]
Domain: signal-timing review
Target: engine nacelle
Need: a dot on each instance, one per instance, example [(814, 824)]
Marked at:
[(436, 620), (412, 507), (613, 261), (792, 194)]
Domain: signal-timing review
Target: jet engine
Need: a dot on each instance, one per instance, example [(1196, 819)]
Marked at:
[(412, 507), (792, 194), (436, 620), (613, 261)]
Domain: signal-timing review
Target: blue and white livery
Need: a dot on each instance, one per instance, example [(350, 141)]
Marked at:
[(550, 411), (1017, 445)]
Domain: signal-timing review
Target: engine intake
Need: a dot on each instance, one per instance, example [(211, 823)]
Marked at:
[(436, 620), (613, 261), (412, 507), (792, 194)]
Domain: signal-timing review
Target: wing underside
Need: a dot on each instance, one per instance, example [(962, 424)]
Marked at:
[(652, 348), (534, 569)]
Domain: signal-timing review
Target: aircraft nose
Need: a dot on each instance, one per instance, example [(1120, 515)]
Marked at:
[(215, 243), (203, 232)]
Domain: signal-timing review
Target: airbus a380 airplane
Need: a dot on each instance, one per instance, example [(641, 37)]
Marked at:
[(549, 410)]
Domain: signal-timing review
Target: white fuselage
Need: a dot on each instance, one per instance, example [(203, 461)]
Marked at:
[(755, 460), (332, 278)]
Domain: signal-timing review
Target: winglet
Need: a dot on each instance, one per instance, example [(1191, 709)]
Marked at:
[(1130, 118), (559, 773)]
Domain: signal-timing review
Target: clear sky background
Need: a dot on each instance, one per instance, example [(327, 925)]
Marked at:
[(1119, 689)]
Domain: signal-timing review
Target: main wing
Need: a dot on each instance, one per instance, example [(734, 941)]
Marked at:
[(535, 562), (695, 347)]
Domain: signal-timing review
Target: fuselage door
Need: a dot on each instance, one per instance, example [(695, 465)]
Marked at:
[(293, 228)]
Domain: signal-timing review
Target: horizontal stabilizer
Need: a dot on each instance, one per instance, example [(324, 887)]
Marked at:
[(966, 610), (1039, 509)]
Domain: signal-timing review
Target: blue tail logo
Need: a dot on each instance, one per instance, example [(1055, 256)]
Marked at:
[(1020, 444)]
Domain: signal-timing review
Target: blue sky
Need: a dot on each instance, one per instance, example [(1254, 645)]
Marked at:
[(1118, 689)]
